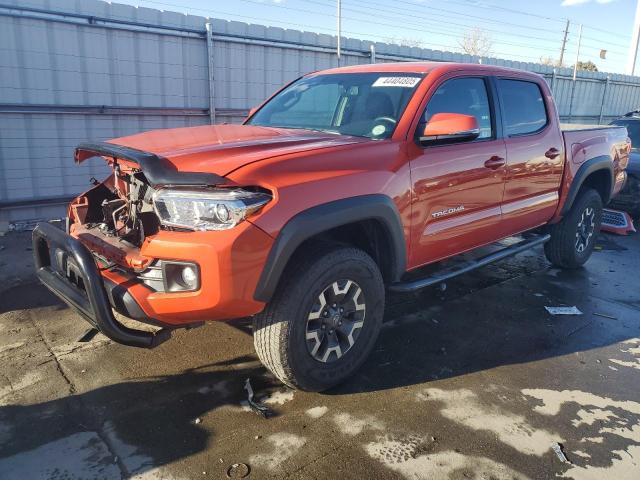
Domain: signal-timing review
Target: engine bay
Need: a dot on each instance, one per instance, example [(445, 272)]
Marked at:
[(120, 207)]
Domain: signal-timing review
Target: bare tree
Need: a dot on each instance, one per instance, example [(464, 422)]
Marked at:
[(552, 62), (406, 41), (476, 42)]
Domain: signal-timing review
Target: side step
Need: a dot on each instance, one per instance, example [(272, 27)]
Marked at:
[(454, 271)]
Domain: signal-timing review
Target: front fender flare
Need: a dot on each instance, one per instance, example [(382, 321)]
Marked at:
[(324, 217)]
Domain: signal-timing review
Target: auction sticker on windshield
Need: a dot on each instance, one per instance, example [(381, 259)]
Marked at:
[(408, 82)]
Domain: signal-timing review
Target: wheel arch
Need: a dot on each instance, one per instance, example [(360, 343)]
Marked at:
[(369, 222), (596, 173)]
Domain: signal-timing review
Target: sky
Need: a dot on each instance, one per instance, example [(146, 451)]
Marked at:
[(518, 30)]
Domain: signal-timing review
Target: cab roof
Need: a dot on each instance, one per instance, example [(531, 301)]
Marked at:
[(421, 68)]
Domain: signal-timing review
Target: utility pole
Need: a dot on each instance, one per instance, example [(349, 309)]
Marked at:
[(635, 37), (339, 28), (575, 73), (575, 66), (564, 43)]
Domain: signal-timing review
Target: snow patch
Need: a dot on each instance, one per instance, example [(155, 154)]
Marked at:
[(283, 446), (350, 425), (317, 412), (597, 412), (402, 457), (625, 465), (463, 406), (588, 417), (552, 400), (278, 397)]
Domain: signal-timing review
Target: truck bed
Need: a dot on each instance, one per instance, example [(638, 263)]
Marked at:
[(568, 127)]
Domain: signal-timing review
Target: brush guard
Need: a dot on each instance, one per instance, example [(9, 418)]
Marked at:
[(68, 269)]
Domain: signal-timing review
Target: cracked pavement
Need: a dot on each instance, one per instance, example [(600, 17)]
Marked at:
[(477, 381)]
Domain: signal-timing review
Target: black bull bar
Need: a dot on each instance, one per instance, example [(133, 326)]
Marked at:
[(68, 269)]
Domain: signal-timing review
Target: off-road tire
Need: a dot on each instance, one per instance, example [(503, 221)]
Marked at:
[(280, 331), (561, 250)]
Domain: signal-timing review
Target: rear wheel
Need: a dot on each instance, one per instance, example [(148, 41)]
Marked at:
[(323, 320), (573, 239)]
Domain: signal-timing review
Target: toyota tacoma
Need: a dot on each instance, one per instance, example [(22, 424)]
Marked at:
[(333, 192)]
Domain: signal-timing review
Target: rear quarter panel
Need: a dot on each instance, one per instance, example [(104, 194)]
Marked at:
[(584, 144)]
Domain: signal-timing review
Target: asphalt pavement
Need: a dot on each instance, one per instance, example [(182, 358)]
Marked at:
[(474, 381)]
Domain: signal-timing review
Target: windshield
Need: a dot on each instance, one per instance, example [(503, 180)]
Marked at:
[(633, 129), (360, 104)]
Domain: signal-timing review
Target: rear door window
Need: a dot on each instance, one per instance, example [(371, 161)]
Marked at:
[(523, 107)]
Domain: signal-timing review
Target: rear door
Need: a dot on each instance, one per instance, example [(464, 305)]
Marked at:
[(457, 187), (535, 153)]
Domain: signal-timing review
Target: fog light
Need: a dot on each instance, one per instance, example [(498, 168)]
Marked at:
[(180, 276), (190, 277)]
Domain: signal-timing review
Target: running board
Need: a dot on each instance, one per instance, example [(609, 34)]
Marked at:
[(451, 272)]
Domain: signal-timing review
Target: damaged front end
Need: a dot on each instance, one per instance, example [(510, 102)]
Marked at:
[(106, 230), (122, 206)]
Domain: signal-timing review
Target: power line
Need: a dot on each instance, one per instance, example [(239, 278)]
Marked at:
[(451, 13), (404, 27), (468, 3), (527, 13), (428, 19), (216, 13)]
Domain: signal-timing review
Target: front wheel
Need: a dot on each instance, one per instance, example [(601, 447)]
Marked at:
[(573, 239), (323, 320)]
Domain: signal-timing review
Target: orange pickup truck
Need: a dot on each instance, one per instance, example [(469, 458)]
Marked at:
[(332, 192)]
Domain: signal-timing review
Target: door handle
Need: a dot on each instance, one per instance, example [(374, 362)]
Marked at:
[(552, 153), (495, 162)]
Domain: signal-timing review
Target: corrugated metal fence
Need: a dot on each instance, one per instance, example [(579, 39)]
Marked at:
[(72, 71)]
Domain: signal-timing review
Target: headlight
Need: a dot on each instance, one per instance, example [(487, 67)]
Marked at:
[(210, 209)]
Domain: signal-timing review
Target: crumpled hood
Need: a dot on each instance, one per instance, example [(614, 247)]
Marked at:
[(221, 149)]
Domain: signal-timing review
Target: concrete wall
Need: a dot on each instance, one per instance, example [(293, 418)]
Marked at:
[(105, 70)]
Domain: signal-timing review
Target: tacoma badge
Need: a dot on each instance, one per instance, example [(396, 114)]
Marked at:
[(447, 211)]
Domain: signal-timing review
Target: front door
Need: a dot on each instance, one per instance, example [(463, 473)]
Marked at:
[(457, 187)]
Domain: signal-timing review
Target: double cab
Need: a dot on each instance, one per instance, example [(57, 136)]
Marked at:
[(333, 192)]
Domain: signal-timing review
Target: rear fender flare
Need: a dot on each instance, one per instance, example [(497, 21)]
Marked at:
[(592, 165), (327, 216)]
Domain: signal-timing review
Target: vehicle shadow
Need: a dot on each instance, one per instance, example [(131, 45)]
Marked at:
[(28, 295), (436, 334), (147, 423)]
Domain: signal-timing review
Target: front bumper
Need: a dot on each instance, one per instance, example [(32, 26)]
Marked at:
[(68, 269)]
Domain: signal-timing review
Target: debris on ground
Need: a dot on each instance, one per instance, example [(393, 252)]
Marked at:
[(604, 315), (255, 406), (563, 310), (238, 470), (556, 447)]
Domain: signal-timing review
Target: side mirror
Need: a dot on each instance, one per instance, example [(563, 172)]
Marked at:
[(450, 127)]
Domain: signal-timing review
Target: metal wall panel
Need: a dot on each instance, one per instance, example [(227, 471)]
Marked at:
[(106, 70)]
